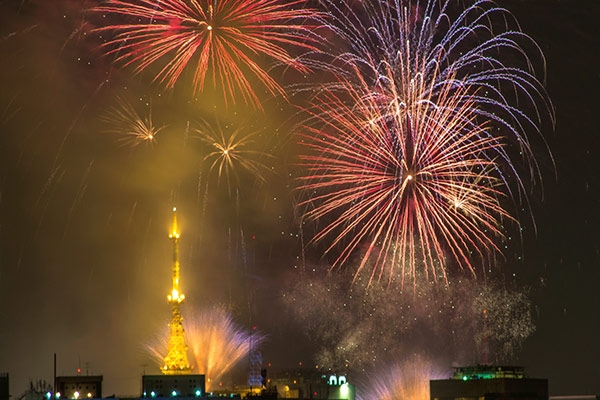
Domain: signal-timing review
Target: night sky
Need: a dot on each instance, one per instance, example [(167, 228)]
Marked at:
[(84, 219)]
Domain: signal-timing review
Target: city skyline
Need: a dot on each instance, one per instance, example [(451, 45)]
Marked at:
[(85, 258)]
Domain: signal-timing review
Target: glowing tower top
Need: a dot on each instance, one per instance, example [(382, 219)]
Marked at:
[(176, 361), (175, 296)]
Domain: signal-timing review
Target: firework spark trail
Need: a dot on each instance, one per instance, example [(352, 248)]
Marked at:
[(418, 117), (233, 156), (223, 38)]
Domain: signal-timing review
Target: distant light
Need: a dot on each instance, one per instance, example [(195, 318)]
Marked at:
[(198, 392), (174, 393), (153, 394), (49, 395), (89, 395), (57, 395), (464, 378), (76, 395)]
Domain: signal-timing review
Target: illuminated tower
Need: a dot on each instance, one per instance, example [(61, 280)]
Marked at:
[(176, 361)]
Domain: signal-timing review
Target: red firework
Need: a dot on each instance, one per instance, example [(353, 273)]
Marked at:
[(224, 39), (415, 154), (414, 182)]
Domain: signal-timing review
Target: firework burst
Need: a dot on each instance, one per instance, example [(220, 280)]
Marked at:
[(233, 152), (132, 128), (413, 154), (224, 40)]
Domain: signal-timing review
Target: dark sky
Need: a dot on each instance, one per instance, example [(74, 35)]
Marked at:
[(84, 252), (566, 345)]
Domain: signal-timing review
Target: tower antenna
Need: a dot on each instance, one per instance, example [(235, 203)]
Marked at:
[(176, 361)]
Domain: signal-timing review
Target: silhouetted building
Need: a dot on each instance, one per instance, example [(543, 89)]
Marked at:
[(489, 383), (184, 385), (78, 387), (4, 386), (311, 384)]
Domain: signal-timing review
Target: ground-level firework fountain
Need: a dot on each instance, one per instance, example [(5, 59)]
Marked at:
[(217, 343), (407, 380)]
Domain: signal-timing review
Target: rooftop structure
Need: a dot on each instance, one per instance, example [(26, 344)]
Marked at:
[(173, 386), (486, 382), (78, 387)]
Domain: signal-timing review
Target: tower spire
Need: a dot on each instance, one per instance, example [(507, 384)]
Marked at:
[(176, 361), (175, 296)]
